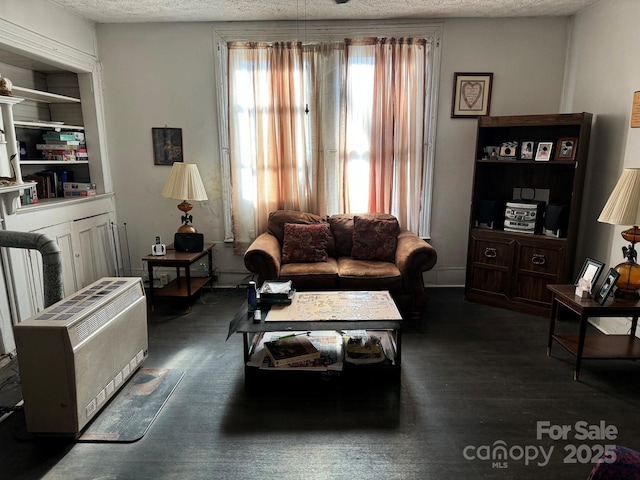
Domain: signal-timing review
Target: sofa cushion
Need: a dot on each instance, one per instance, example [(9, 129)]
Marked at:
[(279, 218), (305, 243), (342, 229), (375, 239), (311, 276), (368, 275)]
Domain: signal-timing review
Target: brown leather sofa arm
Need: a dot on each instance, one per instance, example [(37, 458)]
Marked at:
[(263, 257), (414, 255)]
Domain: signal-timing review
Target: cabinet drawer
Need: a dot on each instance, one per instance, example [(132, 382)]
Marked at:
[(491, 266), (537, 266), (493, 252), (539, 259)]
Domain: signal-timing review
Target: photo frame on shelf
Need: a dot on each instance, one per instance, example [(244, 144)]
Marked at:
[(543, 151), (527, 149), (607, 286), (566, 148), (471, 94), (167, 145), (508, 151)]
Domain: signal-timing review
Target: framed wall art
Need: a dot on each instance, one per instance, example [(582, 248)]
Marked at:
[(471, 94), (167, 145)]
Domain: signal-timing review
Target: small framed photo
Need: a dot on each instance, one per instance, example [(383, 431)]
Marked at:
[(508, 150), (607, 286), (543, 151), (590, 271), (527, 149), (167, 145), (566, 148), (471, 94)]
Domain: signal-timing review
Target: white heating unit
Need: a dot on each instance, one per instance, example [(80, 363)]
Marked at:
[(76, 354)]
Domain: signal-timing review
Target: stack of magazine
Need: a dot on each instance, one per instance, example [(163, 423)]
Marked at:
[(276, 293), (328, 344)]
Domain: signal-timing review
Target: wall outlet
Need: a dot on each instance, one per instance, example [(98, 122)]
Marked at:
[(164, 278)]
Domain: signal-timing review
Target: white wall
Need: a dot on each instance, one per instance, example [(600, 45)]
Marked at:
[(602, 74), (162, 74)]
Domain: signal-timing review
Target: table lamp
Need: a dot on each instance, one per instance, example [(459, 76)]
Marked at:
[(623, 208), (184, 183)]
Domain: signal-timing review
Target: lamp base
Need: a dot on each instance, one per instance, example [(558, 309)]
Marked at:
[(187, 229), (629, 281)]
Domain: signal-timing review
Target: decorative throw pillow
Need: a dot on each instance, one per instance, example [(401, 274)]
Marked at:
[(305, 243), (375, 239)]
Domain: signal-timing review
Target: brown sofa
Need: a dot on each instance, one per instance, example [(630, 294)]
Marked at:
[(400, 273)]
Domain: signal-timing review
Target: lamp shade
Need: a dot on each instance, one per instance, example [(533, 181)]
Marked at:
[(184, 183), (623, 206)]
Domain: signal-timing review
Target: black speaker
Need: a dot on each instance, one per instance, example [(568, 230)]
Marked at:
[(556, 220), (489, 214), (188, 242)]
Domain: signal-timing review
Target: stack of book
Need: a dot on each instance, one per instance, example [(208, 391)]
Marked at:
[(50, 182), (289, 350), (63, 146), (78, 189)]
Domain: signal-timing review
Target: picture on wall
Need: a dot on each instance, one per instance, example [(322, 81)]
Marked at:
[(167, 145), (471, 94)]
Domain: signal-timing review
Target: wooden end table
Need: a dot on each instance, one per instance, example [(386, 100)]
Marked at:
[(599, 345), (179, 287)]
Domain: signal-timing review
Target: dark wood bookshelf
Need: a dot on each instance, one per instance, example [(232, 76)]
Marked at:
[(512, 269)]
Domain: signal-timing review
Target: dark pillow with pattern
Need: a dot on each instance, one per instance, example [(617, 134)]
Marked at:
[(375, 239), (305, 243)]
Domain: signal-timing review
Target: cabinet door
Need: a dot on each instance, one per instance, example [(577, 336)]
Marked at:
[(63, 236), (491, 266), (93, 249), (537, 264)]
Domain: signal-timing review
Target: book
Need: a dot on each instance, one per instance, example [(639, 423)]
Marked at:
[(67, 146), (291, 349), (62, 136)]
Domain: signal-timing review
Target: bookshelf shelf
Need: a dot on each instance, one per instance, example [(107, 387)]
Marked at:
[(54, 162), (40, 96), (46, 125)]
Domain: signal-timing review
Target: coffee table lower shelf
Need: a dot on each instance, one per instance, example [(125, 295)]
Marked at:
[(251, 333)]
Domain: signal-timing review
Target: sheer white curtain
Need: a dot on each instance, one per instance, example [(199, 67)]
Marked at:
[(327, 128)]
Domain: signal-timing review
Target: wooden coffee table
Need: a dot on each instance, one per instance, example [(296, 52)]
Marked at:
[(316, 311)]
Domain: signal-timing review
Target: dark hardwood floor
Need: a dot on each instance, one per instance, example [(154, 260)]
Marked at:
[(473, 378)]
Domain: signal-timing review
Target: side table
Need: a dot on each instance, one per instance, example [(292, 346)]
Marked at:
[(179, 287), (598, 345)]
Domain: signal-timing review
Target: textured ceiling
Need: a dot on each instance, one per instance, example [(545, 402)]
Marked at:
[(139, 11)]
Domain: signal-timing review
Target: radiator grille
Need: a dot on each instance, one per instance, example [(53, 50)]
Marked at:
[(83, 301)]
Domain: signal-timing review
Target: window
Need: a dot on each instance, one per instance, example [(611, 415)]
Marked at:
[(328, 127)]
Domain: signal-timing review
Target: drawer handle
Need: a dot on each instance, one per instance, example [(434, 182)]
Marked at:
[(490, 252), (538, 259)]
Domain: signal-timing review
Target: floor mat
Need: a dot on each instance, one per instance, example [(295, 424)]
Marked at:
[(132, 411)]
